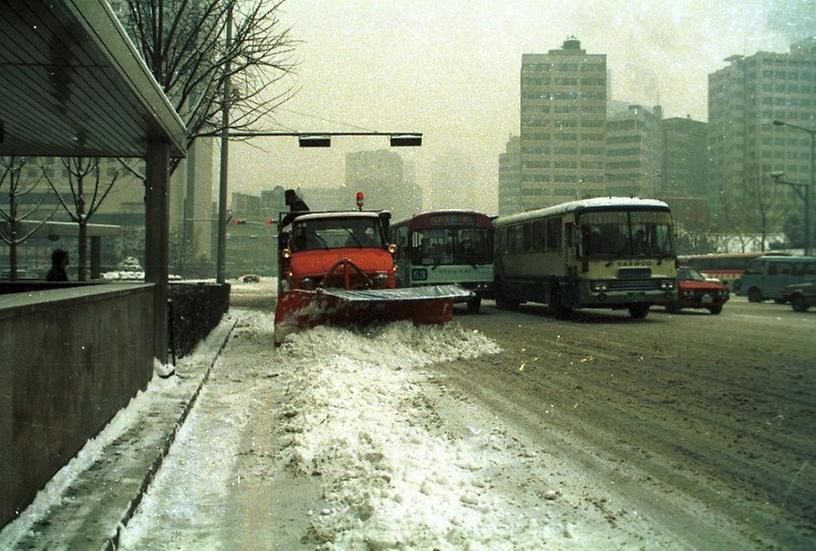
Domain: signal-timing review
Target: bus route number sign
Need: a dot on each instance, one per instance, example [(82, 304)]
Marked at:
[(419, 274), (452, 220)]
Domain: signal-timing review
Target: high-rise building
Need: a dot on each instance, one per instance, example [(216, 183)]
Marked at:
[(685, 159), (684, 173), (634, 152), (744, 98), (510, 177), (563, 125)]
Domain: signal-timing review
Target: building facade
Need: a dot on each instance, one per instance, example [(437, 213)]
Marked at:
[(634, 152), (744, 98), (563, 126), (510, 177)]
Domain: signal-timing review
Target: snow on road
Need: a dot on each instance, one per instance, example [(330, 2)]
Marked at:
[(356, 420)]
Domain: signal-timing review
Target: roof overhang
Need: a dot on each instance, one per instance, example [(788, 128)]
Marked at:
[(52, 230), (73, 84)]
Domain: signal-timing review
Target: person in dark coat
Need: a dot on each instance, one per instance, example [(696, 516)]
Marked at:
[(296, 206), (59, 261)]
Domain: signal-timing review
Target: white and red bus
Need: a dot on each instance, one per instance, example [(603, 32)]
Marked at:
[(726, 267), (446, 246)]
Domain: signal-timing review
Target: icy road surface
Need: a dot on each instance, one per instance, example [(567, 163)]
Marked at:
[(334, 441)]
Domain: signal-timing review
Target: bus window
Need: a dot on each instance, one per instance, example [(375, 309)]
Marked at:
[(554, 234), (773, 269), (651, 233), (538, 236), (526, 231), (605, 233)]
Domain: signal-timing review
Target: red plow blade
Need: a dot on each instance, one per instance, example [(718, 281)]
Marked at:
[(299, 310)]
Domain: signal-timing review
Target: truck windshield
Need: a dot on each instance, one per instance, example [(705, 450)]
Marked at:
[(451, 246), (336, 233), (626, 233)]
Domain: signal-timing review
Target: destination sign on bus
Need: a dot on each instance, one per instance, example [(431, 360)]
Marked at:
[(452, 220)]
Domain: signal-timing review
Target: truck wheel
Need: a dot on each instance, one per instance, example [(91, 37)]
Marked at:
[(639, 311), (754, 295), (715, 309), (474, 304), (798, 303)]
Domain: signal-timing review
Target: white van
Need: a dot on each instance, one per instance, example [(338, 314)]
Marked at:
[(767, 276)]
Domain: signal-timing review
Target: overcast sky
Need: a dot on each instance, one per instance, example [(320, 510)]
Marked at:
[(451, 68)]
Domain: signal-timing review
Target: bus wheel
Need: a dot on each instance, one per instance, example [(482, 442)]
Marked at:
[(560, 311), (754, 295), (502, 302), (639, 311), (798, 303), (474, 304)]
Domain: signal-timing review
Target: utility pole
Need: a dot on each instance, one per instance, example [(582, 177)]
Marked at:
[(222, 188), (807, 196)]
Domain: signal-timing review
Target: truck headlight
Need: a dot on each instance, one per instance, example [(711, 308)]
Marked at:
[(307, 283), (380, 280)]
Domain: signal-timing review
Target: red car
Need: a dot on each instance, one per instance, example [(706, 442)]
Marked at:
[(695, 291)]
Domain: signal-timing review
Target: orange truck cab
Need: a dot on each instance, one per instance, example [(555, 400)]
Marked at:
[(345, 249)]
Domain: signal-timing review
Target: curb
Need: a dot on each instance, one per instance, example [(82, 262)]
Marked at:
[(112, 543)]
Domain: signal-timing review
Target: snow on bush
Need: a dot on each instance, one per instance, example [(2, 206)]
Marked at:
[(391, 476)]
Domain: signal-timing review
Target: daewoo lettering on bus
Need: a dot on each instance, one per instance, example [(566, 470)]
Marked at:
[(594, 253), (337, 268), (446, 246)]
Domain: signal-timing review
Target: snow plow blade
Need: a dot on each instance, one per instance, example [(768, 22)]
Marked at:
[(299, 310)]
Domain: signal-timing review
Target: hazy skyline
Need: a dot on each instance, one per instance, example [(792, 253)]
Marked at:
[(451, 70)]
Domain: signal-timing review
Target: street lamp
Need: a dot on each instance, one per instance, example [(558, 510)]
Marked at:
[(804, 196), (808, 191)]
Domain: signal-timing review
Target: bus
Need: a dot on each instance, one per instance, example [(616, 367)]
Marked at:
[(446, 246), (726, 267), (594, 253)]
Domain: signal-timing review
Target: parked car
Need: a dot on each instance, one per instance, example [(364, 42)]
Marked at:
[(251, 278), (694, 290), (767, 276), (801, 295)]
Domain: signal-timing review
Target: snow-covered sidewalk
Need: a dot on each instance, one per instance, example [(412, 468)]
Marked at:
[(86, 502)]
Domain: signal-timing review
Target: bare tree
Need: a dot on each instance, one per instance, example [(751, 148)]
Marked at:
[(80, 171), (183, 43), (751, 209), (11, 173)]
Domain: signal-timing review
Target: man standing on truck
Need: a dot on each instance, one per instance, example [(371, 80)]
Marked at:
[(296, 206)]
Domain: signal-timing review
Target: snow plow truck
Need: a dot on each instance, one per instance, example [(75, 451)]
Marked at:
[(338, 268)]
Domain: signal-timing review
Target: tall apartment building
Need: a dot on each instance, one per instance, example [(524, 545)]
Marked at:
[(563, 125), (684, 183), (634, 152), (510, 177), (744, 98)]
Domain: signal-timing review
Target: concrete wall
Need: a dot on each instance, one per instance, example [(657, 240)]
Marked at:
[(69, 360)]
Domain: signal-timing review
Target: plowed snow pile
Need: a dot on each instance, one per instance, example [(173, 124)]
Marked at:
[(391, 476)]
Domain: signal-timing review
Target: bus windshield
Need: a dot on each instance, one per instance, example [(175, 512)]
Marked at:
[(450, 246), (335, 233), (634, 233)]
